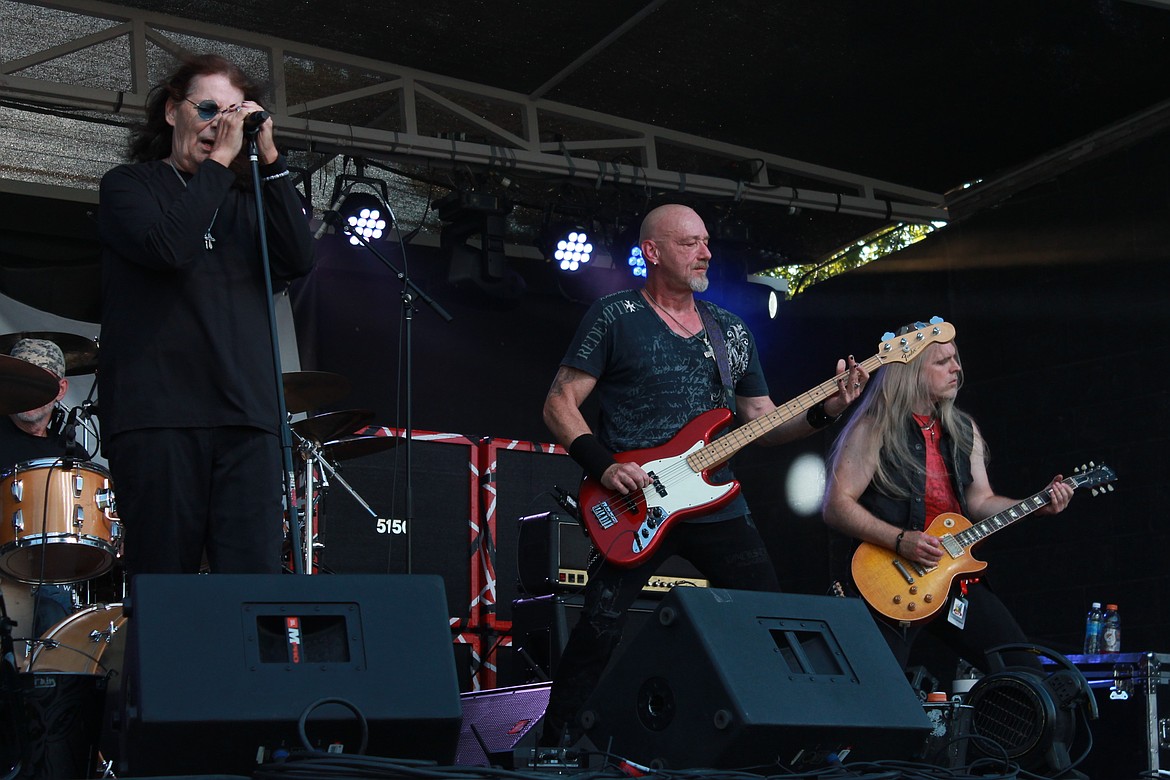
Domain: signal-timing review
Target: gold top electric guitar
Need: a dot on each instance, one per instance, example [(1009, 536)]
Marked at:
[(909, 592)]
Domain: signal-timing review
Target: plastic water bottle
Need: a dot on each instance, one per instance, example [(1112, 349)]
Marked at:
[(1094, 627), (1111, 630)]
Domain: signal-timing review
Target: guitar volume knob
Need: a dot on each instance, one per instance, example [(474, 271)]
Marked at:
[(913, 590), (898, 599), (928, 598)]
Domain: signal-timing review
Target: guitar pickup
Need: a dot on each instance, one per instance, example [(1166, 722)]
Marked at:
[(952, 545), (605, 516), (659, 488)]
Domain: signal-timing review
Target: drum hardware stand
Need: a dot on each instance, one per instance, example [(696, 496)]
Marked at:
[(290, 486), (409, 291), (311, 454)]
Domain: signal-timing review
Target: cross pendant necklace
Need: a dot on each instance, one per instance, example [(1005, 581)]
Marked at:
[(208, 239)]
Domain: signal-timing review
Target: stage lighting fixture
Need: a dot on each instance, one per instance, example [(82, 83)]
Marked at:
[(364, 211), (777, 287), (467, 214), (1031, 717), (365, 215), (573, 251), (637, 263)]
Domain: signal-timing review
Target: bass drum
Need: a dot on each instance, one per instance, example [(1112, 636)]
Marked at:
[(92, 641)]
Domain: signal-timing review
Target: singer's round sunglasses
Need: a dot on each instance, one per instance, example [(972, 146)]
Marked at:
[(209, 109)]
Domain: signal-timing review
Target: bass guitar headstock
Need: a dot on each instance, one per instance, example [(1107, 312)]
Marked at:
[(910, 345)]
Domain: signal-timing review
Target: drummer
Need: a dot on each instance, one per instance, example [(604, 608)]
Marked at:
[(31, 435)]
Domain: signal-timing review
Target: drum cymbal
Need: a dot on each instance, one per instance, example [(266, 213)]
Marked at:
[(24, 386), (359, 446), (81, 352), (328, 426), (307, 390)]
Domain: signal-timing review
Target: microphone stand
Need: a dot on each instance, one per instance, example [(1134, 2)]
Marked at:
[(290, 484), (409, 292)]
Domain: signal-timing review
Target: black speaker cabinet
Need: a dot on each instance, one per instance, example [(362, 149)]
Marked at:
[(522, 482), (726, 678), (220, 668), (552, 555), (439, 539), (541, 627)]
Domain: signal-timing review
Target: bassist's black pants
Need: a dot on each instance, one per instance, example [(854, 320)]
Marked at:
[(729, 553)]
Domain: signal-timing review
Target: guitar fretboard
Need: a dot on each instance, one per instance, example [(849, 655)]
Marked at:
[(1097, 475), (902, 349), (722, 449), (987, 527)]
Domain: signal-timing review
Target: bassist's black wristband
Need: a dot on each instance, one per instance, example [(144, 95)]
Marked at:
[(591, 455), (817, 417)]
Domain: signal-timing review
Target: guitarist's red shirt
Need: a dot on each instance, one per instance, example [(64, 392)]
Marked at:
[(940, 492)]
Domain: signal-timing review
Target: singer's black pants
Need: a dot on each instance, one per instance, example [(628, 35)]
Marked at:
[(729, 553), (181, 491)]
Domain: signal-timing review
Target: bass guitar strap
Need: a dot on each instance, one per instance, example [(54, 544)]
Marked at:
[(719, 352)]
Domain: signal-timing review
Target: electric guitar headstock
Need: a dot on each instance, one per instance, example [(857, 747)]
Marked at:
[(910, 345), (1093, 476)]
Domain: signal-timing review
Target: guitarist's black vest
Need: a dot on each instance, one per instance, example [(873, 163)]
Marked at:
[(910, 512)]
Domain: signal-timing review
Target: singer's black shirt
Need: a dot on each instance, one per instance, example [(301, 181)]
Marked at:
[(185, 331)]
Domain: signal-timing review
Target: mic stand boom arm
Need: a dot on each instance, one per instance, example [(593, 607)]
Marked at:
[(409, 291)]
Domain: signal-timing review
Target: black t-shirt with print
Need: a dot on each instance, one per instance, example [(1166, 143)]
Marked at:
[(651, 381)]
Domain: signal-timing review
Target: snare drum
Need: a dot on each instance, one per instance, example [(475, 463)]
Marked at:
[(92, 641), (56, 523)]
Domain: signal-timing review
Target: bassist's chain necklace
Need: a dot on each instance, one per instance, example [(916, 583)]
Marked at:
[(685, 329)]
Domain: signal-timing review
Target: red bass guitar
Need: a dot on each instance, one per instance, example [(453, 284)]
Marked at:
[(628, 529)]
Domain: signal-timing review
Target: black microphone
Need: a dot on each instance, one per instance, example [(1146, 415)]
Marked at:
[(253, 121), (70, 437), (331, 217)]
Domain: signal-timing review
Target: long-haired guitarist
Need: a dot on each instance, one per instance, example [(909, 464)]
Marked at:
[(908, 455), (655, 359)]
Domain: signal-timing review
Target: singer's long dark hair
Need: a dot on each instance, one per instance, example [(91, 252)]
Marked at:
[(151, 140)]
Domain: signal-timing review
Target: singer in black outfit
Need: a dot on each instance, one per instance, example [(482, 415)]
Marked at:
[(189, 408)]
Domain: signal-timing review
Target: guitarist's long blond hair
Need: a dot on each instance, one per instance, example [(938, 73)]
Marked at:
[(889, 400)]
